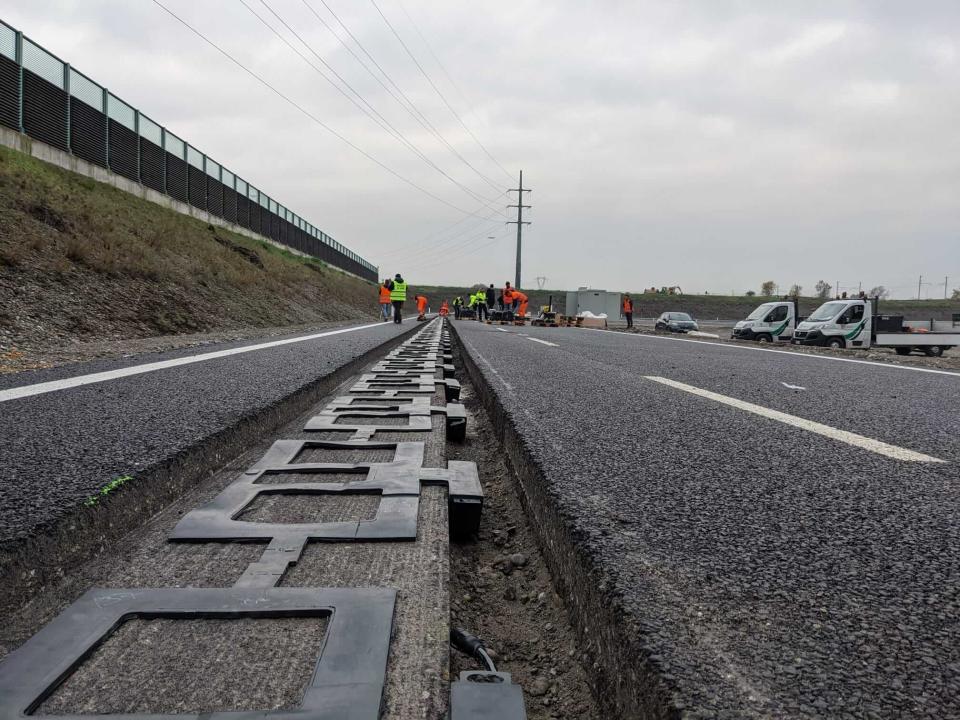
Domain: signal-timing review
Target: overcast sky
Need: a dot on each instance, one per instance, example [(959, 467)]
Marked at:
[(710, 144)]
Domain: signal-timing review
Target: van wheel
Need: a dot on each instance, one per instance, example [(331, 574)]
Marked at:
[(764, 338), (836, 343), (933, 351), (903, 350)]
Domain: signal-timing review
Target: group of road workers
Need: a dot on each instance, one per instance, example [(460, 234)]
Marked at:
[(393, 294), (484, 300)]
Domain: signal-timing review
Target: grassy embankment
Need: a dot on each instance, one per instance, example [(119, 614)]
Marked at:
[(83, 261)]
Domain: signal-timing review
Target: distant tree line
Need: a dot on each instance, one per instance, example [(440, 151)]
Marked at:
[(823, 290)]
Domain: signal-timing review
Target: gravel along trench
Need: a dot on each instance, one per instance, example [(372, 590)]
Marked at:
[(501, 590)]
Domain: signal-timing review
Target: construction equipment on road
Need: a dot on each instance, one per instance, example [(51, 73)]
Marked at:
[(547, 316), (569, 321), (500, 317)]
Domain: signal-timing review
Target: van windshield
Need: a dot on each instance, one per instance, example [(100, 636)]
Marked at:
[(759, 312), (827, 311)]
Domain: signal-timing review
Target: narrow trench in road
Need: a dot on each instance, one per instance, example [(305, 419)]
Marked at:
[(501, 590)]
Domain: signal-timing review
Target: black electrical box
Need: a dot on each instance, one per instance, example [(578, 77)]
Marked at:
[(888, 323)]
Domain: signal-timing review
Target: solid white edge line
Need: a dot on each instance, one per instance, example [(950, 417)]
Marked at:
[(80, 380), (542, 342), (865, 443), (935, 371)]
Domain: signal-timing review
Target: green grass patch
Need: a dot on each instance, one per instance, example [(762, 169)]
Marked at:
[(106, 490)]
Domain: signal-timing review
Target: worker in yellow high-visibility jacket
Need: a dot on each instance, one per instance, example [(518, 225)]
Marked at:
[(398, 295)]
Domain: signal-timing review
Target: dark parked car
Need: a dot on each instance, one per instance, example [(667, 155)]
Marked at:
[(676, 322)]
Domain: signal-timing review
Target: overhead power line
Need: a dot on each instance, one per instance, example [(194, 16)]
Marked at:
[(449, 77), (437, 90), (308, 114), (468, 250), (421, 246), (396, 92), (370, 111), (452, 243)]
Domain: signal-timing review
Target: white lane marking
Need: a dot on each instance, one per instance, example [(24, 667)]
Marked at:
[(542, 342), (792, 354), (500, 330), (865, 443), (792, 387), (55, 385)]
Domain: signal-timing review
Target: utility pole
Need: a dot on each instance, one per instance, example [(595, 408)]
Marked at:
[(519, 222), (946, 279), (919, 283)]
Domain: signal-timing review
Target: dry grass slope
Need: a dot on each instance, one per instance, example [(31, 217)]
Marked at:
[(80, 260)]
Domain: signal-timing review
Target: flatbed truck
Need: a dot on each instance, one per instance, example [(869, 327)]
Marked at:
[(856, 323)]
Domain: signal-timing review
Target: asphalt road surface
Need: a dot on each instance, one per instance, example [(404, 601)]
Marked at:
[(69, 431), (782, 530)]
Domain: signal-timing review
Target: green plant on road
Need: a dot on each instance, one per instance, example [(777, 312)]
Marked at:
[(110, 487)]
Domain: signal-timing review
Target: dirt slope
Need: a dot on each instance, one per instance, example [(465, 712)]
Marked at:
[(83, 262)]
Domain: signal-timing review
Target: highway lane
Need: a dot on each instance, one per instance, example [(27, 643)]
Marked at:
[(897, 404), (61, 446), (770, 570)]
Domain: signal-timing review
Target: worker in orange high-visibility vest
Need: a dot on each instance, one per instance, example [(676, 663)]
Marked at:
[(444, 308), (628, 310), (517, 300), (421, 307), (386, 304)]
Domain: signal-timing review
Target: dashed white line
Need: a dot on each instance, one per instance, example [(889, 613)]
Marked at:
[(55, 385), (542, 342), (808, 356), (865, 443)]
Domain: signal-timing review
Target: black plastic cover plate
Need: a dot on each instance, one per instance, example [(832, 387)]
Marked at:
[(347, 683)]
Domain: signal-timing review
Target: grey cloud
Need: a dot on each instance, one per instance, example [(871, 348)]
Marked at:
[(711, 143)]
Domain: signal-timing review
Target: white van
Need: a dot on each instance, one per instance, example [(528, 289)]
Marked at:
[(771, 322)]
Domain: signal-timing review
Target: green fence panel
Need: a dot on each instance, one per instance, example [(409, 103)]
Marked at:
[(8, 42), (174, 145), (149, 130), (86, 90), (194, 157), (41, 63)]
